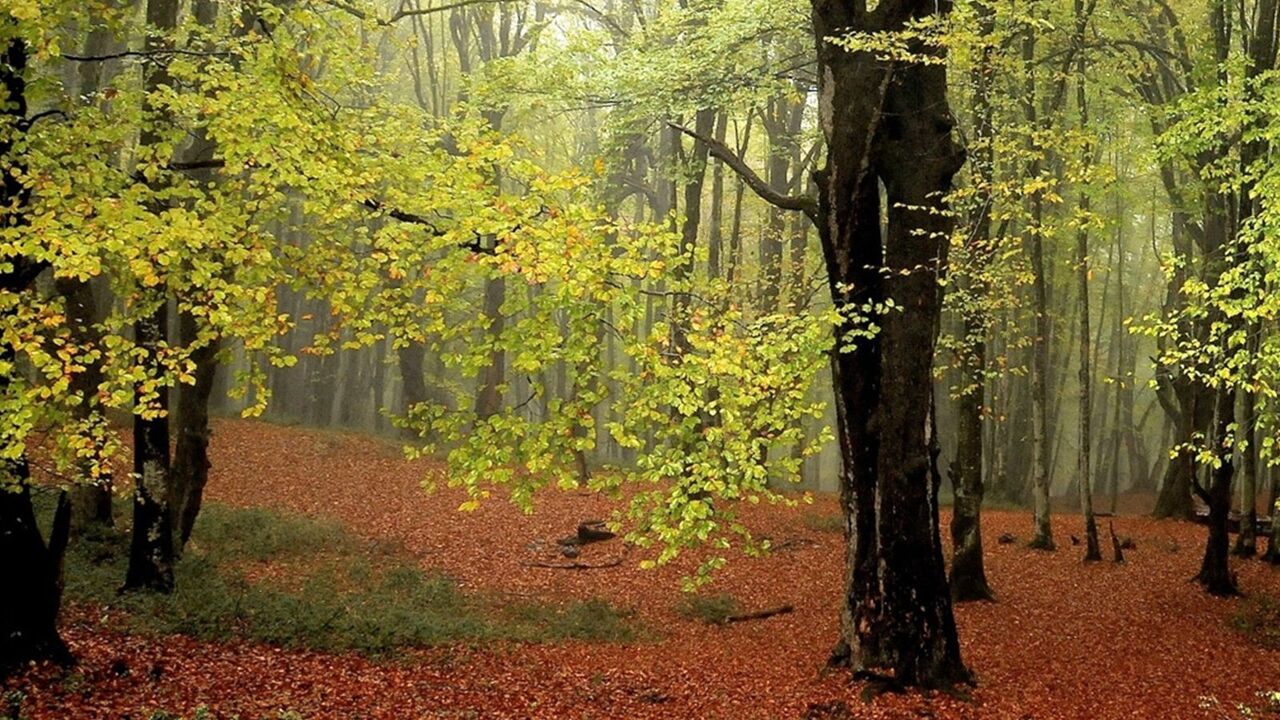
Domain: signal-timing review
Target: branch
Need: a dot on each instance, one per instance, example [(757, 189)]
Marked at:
[(26, 123), (406, 12), (760, 614), (145, 54), (799, 203)]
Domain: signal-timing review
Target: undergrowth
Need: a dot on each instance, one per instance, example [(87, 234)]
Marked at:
[(297, 582), (710, 609), (1258, 619)]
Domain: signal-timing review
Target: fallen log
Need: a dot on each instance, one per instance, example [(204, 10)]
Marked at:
[(760, 614), (589, 531)]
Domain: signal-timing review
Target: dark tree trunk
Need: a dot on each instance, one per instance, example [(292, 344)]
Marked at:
[(968, 573), (489, 397), (414, 386), (1215, 572), (191, 450), (32, 569), (890, 123), (90, 498), (151, 544)]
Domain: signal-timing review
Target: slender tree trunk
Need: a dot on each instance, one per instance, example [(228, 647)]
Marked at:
[(1093, 551), (1043, 534), (1272, 555), (90, 500), (715, 241), (151, 546), (968, 573)]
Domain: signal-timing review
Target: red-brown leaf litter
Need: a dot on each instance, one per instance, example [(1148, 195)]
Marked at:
[(1064, 640)]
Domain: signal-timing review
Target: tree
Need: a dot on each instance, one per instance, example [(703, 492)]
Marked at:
[(31, 566)]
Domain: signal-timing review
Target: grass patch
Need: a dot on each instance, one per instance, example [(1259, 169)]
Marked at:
[(1258, 619), (823, 522), (710, 609), (297, 582)]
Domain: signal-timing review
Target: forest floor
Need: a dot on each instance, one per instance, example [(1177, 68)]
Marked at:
[(1064, 640)]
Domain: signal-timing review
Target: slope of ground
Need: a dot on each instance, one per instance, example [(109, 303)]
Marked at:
[(1065, 640)]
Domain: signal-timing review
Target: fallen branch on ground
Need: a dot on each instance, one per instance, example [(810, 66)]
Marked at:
[(760, 614)]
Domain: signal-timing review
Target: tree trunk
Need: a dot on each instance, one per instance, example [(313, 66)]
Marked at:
[(1247, 539), (715, 242), (892, 122), (1093, 552), (492, 378), (31, 568), (151, 544), (1272, 555), (1043, 532), (191, 451), (33, 576), (1215, 572), (90, 498), (968, 573)]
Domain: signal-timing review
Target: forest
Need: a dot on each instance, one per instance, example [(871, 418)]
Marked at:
[(819, 359)]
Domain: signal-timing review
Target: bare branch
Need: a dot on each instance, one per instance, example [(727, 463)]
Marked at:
[(798, 203), (406, 12), (145, 54)]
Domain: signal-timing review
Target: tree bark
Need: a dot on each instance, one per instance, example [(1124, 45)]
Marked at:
[(1043, 532), (31, 568), (889, 122), (33, 575), (1093, 552), (151, 545), (968, 572), (191, 463)]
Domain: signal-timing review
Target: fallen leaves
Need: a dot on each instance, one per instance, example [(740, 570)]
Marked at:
[(1064, 640)]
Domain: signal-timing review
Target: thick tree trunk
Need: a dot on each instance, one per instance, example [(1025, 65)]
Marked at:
[(32, 569), (892, 122)]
